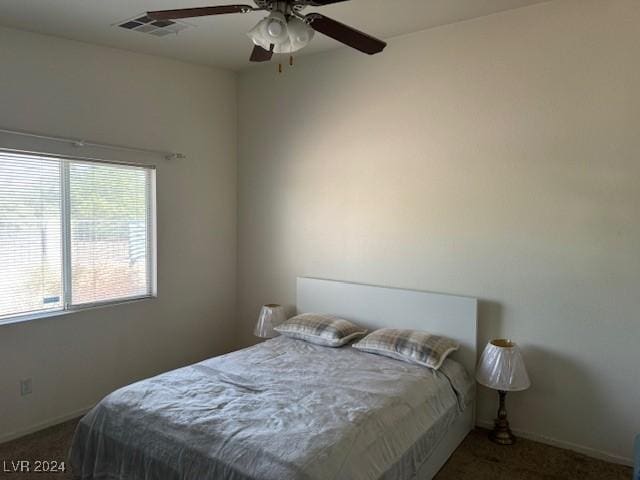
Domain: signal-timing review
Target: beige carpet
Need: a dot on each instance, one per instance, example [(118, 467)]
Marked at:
[(476, 459)]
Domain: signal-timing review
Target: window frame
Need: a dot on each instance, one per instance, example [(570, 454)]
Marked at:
[(67, 306)]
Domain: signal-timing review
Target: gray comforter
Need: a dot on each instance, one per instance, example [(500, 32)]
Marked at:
[(282, 410)]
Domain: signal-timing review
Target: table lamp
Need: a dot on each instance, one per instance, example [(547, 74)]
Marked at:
[(502, 368), (271, 316)]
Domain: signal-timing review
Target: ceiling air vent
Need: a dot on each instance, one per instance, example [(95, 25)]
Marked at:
[(158, 28)]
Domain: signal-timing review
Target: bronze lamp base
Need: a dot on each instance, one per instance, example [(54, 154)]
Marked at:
[(501, 432)]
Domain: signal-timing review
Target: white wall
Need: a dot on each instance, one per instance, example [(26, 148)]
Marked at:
[(496, 158), (74, 89)]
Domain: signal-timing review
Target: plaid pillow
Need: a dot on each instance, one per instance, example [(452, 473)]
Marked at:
[(321, 329), (411, 346)]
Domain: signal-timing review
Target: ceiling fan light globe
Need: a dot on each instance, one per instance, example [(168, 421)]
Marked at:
[(284, 47), (274, 29), (257, 37), (300, 34)]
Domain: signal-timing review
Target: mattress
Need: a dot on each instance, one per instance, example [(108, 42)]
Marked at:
[(281, 410)]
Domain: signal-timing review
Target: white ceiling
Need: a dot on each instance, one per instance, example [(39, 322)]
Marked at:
[(221, 41)]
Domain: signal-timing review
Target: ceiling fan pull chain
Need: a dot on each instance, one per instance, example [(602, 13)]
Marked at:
[(279, 68), (291, 60)]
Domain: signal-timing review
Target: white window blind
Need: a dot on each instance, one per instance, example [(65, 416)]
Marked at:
[(73, 233), (30, 235)]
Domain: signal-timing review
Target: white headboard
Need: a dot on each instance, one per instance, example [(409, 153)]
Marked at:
[(380, 307)]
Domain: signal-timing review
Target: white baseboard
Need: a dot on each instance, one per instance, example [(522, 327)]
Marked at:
[(590, 452), (42, 425)]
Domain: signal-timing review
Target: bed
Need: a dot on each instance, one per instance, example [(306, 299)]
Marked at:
[(287, 409)]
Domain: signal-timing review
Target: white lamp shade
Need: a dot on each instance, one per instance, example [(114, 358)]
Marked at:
[(502, 367), (270, 316)]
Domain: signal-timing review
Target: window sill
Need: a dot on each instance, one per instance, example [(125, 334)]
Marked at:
[(77, 309)]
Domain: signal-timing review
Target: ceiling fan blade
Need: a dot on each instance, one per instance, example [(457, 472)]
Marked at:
[(200, 12), (259, 54), (345, 34), (320, 3)]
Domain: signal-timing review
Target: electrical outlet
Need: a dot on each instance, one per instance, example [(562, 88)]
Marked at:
[(25, 387)]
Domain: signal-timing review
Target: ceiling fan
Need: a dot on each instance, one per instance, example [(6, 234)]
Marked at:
[(286, 29)]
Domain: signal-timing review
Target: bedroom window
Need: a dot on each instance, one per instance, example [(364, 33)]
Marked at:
[(73, 234)]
